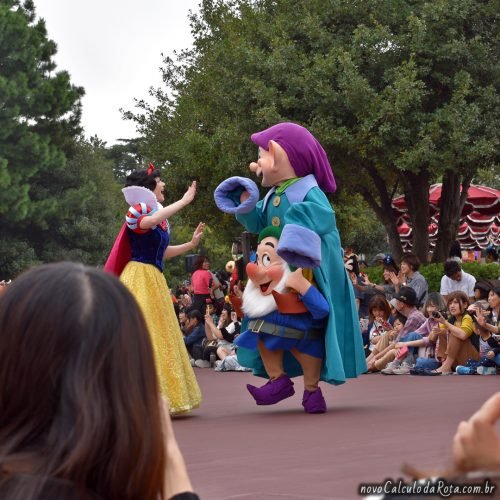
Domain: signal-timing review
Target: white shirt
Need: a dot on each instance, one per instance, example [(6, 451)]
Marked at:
[(466, 284)]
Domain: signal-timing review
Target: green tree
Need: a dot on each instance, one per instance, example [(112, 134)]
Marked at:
[(39, 119), (400, 93), (125, 157)]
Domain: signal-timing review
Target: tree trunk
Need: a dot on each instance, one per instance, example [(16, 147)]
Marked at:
[(450, 210), (416, 189), (383, 210)]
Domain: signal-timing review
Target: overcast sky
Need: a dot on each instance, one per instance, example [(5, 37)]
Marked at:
[(113, 49)]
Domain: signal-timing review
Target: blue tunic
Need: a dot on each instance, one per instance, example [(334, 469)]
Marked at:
[(310, 239), (315, 318)]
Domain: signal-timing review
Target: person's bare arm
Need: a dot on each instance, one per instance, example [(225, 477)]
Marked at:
[(476, 445), (176, 475), (164, 213), (175, 250)]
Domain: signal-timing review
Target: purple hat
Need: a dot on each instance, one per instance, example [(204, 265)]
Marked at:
[(305, 153)]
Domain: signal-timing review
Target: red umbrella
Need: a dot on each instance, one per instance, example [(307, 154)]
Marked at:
[(479, 221)]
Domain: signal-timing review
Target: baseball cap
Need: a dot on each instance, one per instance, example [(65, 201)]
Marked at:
[(380, 257), (407, 295)]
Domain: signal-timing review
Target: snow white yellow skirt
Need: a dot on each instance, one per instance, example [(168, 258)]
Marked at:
[(176, 377)]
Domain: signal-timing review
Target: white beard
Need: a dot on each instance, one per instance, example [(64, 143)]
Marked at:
[(256, 305)]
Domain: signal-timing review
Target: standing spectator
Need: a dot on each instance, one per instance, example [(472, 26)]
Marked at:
[(410, 276), (456, 280), (201, 282)]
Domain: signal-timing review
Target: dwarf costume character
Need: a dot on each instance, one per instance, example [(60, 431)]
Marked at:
[(285, 330), (295, 166)]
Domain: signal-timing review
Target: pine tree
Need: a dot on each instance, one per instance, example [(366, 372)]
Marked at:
[(39, 120)]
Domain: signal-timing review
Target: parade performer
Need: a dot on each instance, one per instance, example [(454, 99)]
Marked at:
[(295, 166), (137, 257), (286, 330)]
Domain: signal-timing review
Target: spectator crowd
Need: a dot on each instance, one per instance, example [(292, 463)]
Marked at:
[(409, 331)]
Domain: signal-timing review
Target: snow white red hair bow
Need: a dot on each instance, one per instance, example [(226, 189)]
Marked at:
[(151, 168)]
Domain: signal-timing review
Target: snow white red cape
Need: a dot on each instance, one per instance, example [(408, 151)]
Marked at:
[(144, 202)]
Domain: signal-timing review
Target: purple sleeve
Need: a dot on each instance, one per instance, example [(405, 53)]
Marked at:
[(300, 246)]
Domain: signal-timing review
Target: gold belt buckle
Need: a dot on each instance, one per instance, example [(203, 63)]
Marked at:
[(258, 325)]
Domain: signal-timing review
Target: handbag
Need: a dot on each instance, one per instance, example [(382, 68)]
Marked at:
[(208, 347)]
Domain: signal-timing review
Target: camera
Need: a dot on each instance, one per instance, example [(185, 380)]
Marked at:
[(435, 314)]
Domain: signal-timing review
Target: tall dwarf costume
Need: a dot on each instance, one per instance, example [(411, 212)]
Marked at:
[(309, 238)]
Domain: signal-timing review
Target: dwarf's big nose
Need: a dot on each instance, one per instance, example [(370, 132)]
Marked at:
[(252, 271)]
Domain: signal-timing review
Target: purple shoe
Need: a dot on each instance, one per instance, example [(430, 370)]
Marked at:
[(272, 392), (314, 402)]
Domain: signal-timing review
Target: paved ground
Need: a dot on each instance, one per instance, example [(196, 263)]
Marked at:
[(235, 449)]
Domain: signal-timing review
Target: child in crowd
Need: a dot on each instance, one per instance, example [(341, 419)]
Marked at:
[(377, 362), (378, 315)]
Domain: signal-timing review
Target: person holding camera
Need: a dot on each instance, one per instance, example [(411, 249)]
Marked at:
[(489, 344), (457, 344)]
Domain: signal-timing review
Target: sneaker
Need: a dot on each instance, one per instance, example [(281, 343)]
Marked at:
[(201, 363), (218, 363), (487, 370), (390, 366), (465, 370), (404, 369)]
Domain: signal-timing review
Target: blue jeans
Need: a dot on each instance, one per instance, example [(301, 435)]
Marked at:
[(428, 363), (413, 351), (490, 362)]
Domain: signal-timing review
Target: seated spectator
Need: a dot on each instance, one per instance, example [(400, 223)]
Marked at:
[(80, 410), (410, 276), (225, 332), (385, 351), (455, 251), (379, 259), (182, 318), (482, 288), (362, 292), (489, 347), (210, 310), (494, 314), (427, 344), (455, 280), (457, 343), (379, 312), (390, 273), (194, 334)]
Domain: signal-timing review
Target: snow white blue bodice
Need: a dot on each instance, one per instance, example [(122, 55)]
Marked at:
[(149, 247)]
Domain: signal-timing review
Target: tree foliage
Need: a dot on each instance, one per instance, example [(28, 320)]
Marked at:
[(401, 93), (58, 192)]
